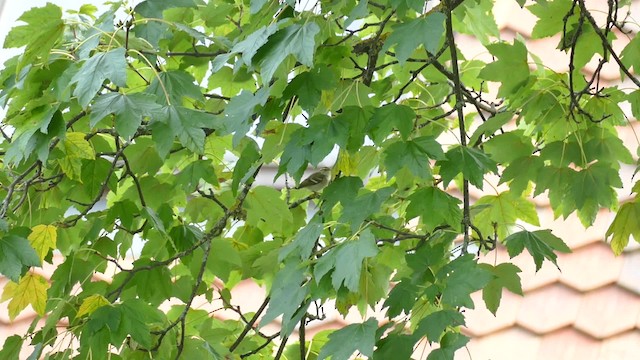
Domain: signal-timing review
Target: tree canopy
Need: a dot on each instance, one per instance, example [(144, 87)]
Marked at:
[(133, 138)]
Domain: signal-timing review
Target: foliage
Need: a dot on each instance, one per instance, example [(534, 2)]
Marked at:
[(133, 138)]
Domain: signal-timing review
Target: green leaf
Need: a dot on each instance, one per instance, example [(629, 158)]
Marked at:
[(518, 144), (245, 166), (93, 174), (297, 40), (155, 8), (288, 292), (450, 342), (238, 114), (344, 190), (540, 244), (355, 337), (435, 207), (304, 241), (476, 18), (223, 258), (265, 209), (595, 182), (490, 126), (512, 57), (503, 210), (184, 123), (309, 85), (138, 319), (505, 276), (413, 154), (170, 87), (607, 147), (426, 260), (129, 110), (401, 298), (356, 211), (43, 30), (313, 144), (435, 324), (250, 46), (624, 225), (520, 172), (100, 67), (550, 15), (630, 57), (472, 163), (16, 255), (463, 276), (388, 117), (355, 119), (394, 346), (346, 261), (193, 173), (143, 157), (407, 36), (11, 348)]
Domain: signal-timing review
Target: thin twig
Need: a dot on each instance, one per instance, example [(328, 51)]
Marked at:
[(466, 212)]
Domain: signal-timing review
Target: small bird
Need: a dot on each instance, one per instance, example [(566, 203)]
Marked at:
[(316, 181)]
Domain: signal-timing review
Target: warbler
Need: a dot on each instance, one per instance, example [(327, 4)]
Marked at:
[(316, 181)]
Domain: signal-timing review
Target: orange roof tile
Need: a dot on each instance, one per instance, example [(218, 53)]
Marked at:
[(621, 347), (508, 344), (608, 311), (481, 321), (568, 344), (590, 267), (630, 272), (549, 309)]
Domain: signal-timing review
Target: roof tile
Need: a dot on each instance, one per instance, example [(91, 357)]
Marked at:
[(571, 230), (549, 308), (568, 344), (630, 274), (621, 347), (608, 311), (509, 344), (480, 321), (590, 267)]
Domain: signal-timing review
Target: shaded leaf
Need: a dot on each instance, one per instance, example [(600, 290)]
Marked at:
[(505, 276), (344, 342), (541, 244), (435, 207), (346, 261), (472, 163), (100, 67), (129, 110), (435, 324), (15, 255), (463, 276), (426, 31), (297, 40)]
